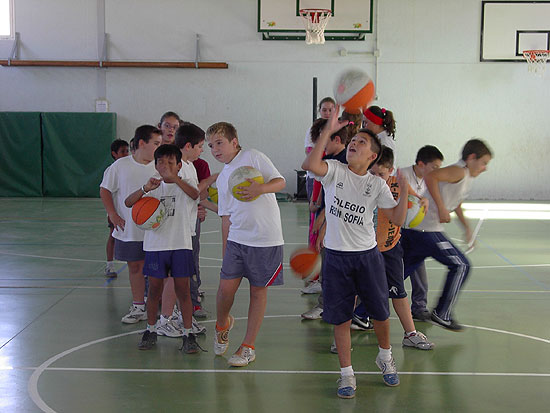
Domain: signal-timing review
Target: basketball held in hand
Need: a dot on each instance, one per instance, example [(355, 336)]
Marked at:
[(148, 213)]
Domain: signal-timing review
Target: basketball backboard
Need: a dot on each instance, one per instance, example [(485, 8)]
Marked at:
[(510, 27), (280, 19)]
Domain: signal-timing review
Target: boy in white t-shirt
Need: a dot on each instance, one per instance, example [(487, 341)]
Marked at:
[(447, 188), (252, 238), (428, 158), (119, 149), (168, 250), (120, 180), (353, 265)]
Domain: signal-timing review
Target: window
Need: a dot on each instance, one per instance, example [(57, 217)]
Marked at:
[(6, 19)]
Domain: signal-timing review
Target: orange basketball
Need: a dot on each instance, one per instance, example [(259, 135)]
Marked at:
[(305, 263), (354, 90), (148, 213)]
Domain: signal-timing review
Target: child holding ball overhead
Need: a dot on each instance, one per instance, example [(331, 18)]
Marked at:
[(252, 239), (353, 264)]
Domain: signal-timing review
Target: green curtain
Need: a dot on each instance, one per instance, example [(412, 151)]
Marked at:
[(21, 154), (76, 152)]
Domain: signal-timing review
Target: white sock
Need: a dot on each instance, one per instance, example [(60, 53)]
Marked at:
[(163, 319), (186, 332), (385, 354), (110, 265), (152, 328), (140, 306), (410, 333), (346, 371)]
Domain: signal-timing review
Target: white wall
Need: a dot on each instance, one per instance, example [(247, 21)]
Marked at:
[(429, 75)]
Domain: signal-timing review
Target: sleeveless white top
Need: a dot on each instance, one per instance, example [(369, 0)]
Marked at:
[(452, 194)]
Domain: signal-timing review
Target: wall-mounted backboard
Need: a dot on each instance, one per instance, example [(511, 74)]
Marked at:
[(280, 19), (510, 27)]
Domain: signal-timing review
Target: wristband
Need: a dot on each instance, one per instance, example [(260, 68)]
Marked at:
[(144, 191)]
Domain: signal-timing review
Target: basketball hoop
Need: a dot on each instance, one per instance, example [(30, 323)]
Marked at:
[(536, 61), (315, 21)]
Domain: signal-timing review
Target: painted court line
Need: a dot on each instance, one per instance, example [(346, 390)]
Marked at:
[(334, 372), (32, 386)]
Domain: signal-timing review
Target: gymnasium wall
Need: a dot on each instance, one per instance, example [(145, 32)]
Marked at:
[(429, 74)]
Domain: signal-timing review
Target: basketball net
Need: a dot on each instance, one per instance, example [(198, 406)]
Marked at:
[(315, 21), (536, 61)]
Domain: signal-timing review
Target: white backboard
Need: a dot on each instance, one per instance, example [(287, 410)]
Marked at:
[(280, 19), (508, 28)]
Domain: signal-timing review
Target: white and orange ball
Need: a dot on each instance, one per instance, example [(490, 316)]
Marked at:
[(149, 213), (354, 90), (305, 263)]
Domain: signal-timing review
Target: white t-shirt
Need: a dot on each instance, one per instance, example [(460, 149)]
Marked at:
[(256, 223), (452, 195), (416, 183), (189, 174), (122, 178), (350, 201), (175, 232)]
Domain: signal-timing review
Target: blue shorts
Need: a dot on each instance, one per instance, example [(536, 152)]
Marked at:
[(347, 274), (263, 266), (393, 261), (129, 251), (179, 263)]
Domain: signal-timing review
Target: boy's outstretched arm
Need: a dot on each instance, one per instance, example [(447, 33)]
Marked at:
[(451, 174), (460, 214), (205, 183), (314, 160)]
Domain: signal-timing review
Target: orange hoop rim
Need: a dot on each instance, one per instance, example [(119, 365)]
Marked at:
[(310, 11), (535, 52)]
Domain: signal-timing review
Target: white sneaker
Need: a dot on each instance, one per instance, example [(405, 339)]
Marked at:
[(346, 387), (314, 314), (418, 340), (221, 340), (242, 357), (177, 322), (313, 287), (168, 329), (135, 315), (389, 371), (198, 328), (176, 313)]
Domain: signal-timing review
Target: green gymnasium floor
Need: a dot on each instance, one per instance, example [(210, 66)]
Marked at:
[(64, 349)]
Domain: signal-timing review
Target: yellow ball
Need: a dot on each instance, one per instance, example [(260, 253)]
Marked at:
[(239, 178), (213, 193), (415, 213)]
